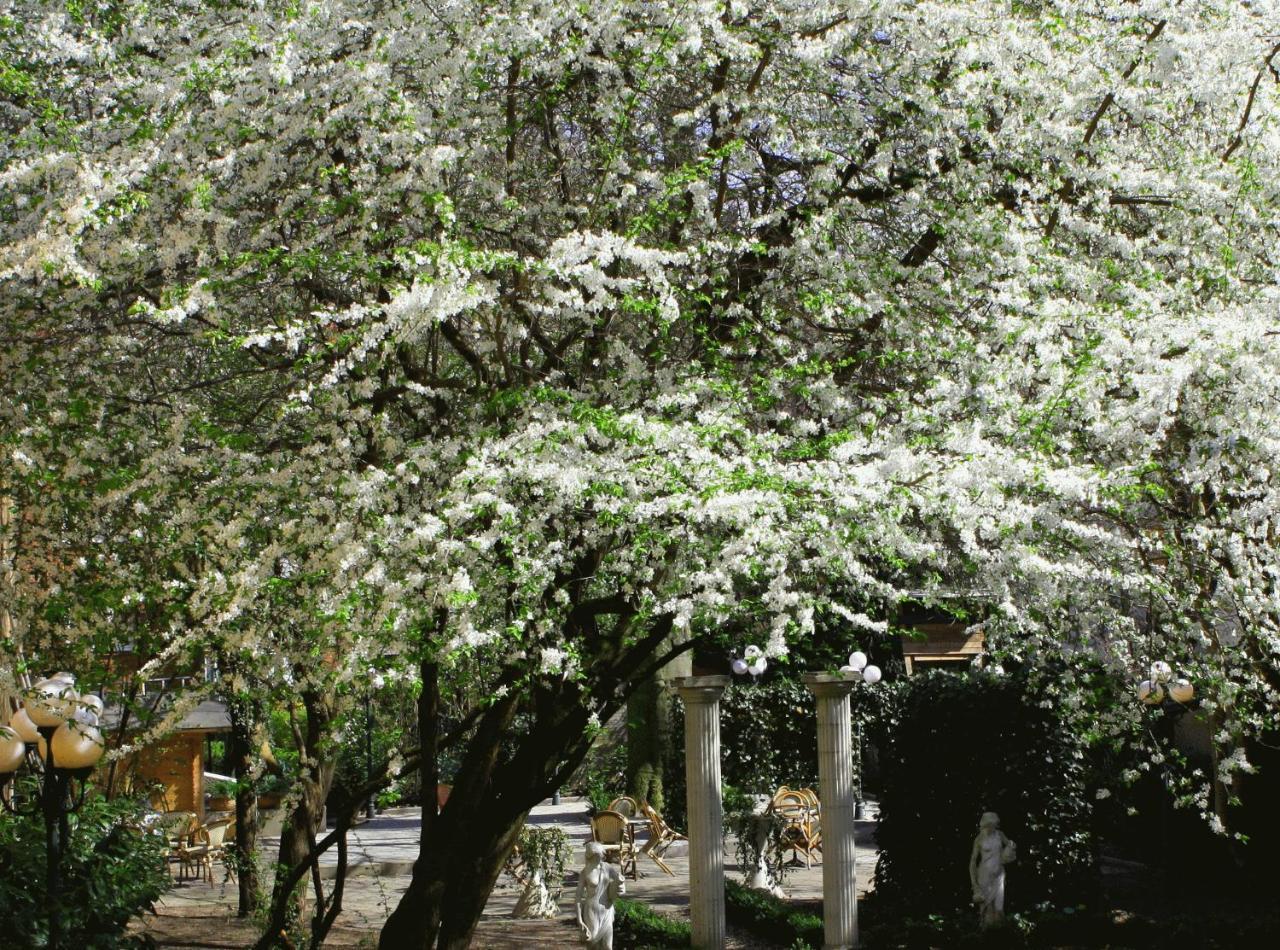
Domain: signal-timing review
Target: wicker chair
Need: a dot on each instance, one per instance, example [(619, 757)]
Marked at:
[(609, 828), (208, 844), (177, 827), (800, 829), (661, 837), (625, 805)]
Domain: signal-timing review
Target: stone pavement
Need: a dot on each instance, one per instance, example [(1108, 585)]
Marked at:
[(380, 858)]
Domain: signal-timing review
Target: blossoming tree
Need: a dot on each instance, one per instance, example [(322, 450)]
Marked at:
[(510, 339)]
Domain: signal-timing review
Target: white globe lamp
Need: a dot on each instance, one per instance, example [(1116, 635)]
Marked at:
[(12, 750), (77, 746), (871, 674), (1150, 693), (21, 723), (50, 702)]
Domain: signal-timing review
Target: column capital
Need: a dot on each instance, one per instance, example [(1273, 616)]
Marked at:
[(701, 689), (831, 685)]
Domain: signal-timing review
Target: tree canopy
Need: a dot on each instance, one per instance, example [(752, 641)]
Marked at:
[(510, 338)]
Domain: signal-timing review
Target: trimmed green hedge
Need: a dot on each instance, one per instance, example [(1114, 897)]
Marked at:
[(959, 744), (782, 923), (769, 738)]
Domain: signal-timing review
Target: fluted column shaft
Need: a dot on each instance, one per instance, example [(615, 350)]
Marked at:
[(701, 696), (835, 788)]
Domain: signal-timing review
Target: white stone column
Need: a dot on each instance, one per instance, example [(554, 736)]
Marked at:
[(701, 696), (835, 788)]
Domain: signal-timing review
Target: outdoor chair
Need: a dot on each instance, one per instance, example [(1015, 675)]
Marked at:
[(800, 829), (625, 805), (661, 837), (815, 817), (208, 844), (177, 828), (609, 828)]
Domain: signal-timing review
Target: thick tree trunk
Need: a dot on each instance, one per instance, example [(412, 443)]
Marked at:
[(464, 849), (250, 893), (649, 728), (406, 927)]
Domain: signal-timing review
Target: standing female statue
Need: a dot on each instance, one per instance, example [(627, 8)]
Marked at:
[(991, 852), (599, 885)]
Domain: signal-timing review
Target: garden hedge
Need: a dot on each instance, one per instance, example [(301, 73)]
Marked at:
[(956, 745)]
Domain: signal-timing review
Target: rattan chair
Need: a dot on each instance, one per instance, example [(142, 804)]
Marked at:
[(800, 827), (609, 828), (661, 837), (177, 827), (625, 805), (208, 844)]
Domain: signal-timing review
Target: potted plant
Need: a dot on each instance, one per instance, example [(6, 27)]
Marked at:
[(272, 788), (222, 795), (538, 862)]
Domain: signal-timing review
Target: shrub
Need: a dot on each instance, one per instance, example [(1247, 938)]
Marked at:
[(110, 870), (542, 850), (636, 927), (780, 922), (961, 744)]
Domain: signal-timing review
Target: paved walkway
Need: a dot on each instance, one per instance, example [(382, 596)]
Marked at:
[(380, 859)]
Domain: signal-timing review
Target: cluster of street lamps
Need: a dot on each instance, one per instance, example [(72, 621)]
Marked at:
[(1161, 683), (858, 664), (56, 734), (752, 661)]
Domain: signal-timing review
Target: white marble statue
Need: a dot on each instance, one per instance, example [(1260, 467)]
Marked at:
[(535, 900), (992, 850), (599, 885)]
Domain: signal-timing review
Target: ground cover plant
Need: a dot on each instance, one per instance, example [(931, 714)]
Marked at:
[(781, 922), (505, 352), (636, 927)]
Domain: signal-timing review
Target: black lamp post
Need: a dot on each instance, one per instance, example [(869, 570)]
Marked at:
[(370, 810), (55, 734)]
